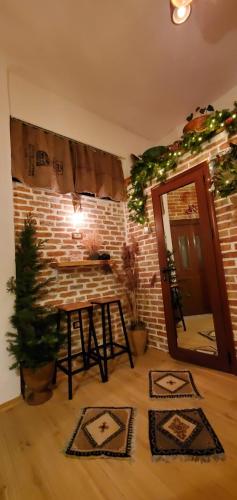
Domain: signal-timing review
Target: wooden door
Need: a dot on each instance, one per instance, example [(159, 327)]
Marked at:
[(189, 265)]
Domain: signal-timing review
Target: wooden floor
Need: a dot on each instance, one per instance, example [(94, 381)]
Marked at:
[(33, 467), (191, 339)]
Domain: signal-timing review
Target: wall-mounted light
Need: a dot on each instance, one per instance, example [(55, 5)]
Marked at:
[(78, 215), (180, 10), (78, 218)]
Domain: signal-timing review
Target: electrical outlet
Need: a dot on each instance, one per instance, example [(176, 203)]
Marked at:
[(77, 236)]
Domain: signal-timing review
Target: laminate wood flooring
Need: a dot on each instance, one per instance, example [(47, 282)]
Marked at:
[(33, 466)]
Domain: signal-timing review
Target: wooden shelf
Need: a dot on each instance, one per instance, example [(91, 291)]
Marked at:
[(79, 263)]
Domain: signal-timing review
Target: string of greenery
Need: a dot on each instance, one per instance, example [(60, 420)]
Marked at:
[(158, 162)]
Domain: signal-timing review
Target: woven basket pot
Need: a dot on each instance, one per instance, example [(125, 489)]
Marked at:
[(196, 124), (38, 383), (138, 341)]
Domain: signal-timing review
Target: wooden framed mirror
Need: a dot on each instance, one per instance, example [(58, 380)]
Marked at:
[(193, 282)]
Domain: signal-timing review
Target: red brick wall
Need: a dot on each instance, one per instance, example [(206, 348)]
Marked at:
[(150, 299), (180, 200), (53, 213)]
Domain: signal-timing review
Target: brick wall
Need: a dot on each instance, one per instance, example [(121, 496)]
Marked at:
[(54, 218), (180, 201), (53, 213), (150, 299)]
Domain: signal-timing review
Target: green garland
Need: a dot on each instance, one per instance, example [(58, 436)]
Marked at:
[(225, 172), (157, 162)]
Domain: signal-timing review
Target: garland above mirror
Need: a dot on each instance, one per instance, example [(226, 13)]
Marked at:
[(157, 162)]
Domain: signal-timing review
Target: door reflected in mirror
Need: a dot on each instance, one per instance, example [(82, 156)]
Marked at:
[(185, 271)]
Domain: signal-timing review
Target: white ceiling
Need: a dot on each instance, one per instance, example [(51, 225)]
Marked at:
[(124, 59)]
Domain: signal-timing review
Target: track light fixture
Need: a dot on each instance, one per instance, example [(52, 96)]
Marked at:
[(180, 10)]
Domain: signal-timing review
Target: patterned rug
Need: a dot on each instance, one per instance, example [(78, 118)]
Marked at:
[(209, 334), (186, 434), (172, 384), (103, 432), (207, 350)]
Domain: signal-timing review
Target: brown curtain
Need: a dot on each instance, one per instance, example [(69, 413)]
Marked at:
[(45, 160), (97, 172), (41, 159)]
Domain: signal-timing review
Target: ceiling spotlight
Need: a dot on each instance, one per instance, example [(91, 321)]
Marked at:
[(180, 14), (180, 3)]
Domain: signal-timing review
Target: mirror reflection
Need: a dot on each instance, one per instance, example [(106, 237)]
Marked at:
[(185, 271)]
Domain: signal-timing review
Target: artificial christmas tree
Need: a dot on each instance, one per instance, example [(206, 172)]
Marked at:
[(36, 341)]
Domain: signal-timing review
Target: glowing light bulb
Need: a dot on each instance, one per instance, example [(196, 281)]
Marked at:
[(181, 14), (180, 3), (78, 218), (181, 11)]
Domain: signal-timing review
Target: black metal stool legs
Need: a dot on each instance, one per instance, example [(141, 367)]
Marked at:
[(109, 347), (104, 343), (84, 354), (110, 332), (98, 354), (58, 330), (92, 334), (69, 359), (125, 335)]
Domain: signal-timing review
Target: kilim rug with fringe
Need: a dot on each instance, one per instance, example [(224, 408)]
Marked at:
[(172, 384), (184, 434), (103, 432)]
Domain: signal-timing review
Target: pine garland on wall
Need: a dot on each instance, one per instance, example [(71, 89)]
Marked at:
[(224, 170), (158, 162)]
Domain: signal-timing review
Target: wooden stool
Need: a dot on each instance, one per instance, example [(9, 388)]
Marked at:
[(69, 309), (104, 304)]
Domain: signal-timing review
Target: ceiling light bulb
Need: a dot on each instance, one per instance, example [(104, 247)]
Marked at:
[(180, 3), (181, 14), (181, 11)]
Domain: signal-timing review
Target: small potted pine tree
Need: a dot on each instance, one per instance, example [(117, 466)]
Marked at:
[(35, 342), (129, 277)]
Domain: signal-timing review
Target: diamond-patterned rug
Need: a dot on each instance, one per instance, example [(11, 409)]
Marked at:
[(103, 432), (182, 433), (172, 384), (209, 334)]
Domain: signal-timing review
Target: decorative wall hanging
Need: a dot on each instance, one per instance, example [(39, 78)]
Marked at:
[(97, 172), (158, 162), (43, 159)]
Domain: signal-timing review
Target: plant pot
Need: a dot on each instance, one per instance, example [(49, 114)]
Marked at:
[(94, 256), (38, 382), (196, 124), (138, 340)]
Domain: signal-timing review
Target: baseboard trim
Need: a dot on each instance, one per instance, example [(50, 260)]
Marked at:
[(10, 404)]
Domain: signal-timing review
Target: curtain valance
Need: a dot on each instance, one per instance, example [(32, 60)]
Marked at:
[(46, 160), (97, 172)]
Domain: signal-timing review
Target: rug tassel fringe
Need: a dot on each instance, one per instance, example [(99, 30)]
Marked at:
[(189, 458)]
